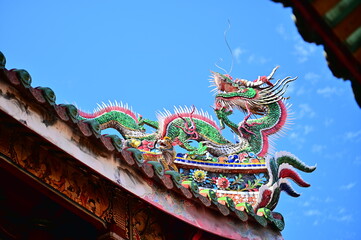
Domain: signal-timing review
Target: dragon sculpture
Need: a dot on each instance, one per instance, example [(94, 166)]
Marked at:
[(253, 98), (243, 171)]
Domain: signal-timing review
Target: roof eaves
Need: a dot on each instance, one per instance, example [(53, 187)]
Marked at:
[(314, 29)]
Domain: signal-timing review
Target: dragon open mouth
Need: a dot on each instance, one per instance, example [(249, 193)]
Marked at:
[(231, 102)]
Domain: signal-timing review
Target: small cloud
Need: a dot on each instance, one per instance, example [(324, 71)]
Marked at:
[(328, 122), (321, 200), (304, 50), (353, 136), (341, 210), (251, 58), (357, 160), (348, 186), (297, 140), (280, 29), (290, 90), (316, 148), (300, 91), (312, 212), (263, 60), (341, 216), (335, 156), (305, 110), (315, 199), (345, 218), (328, 91), (306, 204), (307, 129), (237, 53), (293, 135), (312, 77), (257, 59)]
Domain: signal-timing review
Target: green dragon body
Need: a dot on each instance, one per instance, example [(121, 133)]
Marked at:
[(186, 125), (119, 117), (181, 127)]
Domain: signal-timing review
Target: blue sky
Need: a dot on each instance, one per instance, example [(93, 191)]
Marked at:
[(158, 54)]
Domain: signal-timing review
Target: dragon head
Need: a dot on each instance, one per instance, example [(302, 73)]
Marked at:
[(247, 95)]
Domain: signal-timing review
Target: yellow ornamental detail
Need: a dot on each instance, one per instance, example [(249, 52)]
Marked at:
[(199, 175)]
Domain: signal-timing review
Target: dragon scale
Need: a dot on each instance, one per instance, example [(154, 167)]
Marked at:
[(258, 130), (187, 125)]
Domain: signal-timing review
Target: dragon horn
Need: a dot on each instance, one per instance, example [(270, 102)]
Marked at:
[(272, 73), (259, 82)]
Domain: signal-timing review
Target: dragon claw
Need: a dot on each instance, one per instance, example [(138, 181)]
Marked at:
[(244, 127)]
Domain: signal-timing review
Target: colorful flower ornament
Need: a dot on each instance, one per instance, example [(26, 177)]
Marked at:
[(222, 183), (199, 175)]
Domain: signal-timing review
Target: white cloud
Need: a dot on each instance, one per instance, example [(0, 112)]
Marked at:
[(297, 139), (280, 29), (348, 186), (315, 199), (305, 110), (290, 90), (298, 136), (251, 58), (335, 156), (328, 91), (312, 212), (345, 218), (341, 210), (312, 77), (316, 148), (328, 122), (306, 204), (300, 91), (340, 216), (237, 53), (257, 59), (263, 60), (353, 136), (357, 160), (307, 129), (304, 50), (293, 135)]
